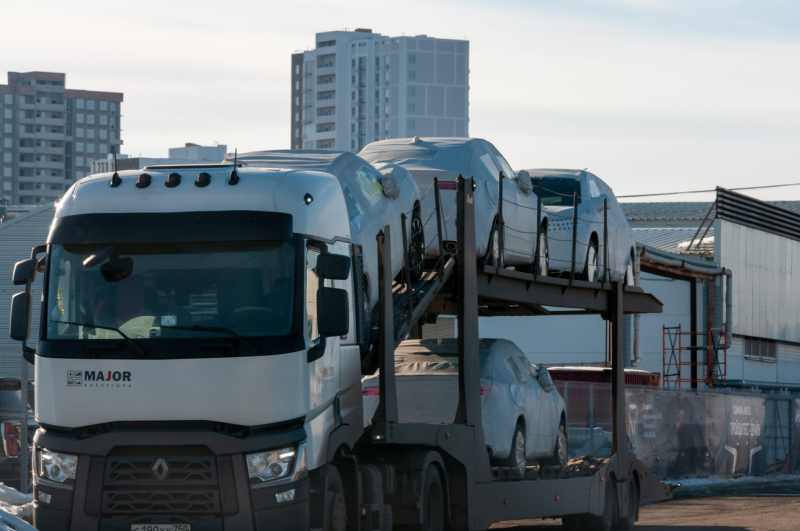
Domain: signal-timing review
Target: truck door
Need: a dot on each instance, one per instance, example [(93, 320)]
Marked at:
[(324, 372)]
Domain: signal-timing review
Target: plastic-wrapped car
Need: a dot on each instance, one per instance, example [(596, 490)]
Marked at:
[(522, 412), (558, 189), (446, 159), (373, 199)]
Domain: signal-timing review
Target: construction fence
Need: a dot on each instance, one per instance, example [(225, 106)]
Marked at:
[(686, 433)]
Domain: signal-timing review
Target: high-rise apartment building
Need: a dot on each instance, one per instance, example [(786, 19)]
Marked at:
[(49, 135), (357, 87)]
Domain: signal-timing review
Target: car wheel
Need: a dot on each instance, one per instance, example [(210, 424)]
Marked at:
[(432, 501), (416, 246), (517, 458), (627, 522), (560, 452), (542, 261), (591, 271), (494, 247)]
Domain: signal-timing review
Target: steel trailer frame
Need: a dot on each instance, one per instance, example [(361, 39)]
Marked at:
[(475, 498)]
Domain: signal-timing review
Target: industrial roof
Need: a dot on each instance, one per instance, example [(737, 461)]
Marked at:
[(685, 210), (676, 240)]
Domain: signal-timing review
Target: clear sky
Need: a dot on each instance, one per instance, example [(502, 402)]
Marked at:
[(650, 95)]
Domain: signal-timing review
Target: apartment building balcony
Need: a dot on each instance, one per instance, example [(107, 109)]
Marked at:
[(47, 136), (326, 119), (28, 106), (28, 121), (50, 107), (61, 122), (116, 141), (47, 165), (49, 88), (326, 71), (45, 150), (42, 179), (325, 135)]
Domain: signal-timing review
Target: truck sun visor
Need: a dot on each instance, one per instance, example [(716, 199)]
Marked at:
[(165, 227)]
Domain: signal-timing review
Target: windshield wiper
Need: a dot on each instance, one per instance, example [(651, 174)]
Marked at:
[(222, 329), (117, 330)]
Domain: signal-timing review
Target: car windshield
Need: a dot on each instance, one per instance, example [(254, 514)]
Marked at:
[(557, 191), (175, 290)]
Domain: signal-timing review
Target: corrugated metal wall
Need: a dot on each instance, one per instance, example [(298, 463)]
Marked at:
[(17, 237), (766, 296)]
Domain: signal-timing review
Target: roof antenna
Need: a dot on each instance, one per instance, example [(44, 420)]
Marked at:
[(115, 180), (234, 178)]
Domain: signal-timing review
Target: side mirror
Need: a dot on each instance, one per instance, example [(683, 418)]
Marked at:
[(20, 319), (334, 267), (598, 203), (333, 311), (23, 271)]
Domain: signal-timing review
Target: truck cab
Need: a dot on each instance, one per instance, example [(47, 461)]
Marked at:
[(197, 348)]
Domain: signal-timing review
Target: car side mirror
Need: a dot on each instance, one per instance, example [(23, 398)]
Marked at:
[(334, 267), (598, 203), (24, 271), (333, 312), (20, 318)]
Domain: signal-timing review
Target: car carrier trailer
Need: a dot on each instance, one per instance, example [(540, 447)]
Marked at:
[(332, 472)]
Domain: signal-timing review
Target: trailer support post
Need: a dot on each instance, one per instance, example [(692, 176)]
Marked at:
[(619, 444), (438, 226), (387, 403)]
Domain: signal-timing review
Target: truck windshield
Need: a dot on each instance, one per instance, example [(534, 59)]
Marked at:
[(176, 290), (557, 191)]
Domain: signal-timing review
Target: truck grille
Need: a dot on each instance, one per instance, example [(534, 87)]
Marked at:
[(166, 484)]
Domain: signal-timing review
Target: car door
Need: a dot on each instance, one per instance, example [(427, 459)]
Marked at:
[(519, 214)]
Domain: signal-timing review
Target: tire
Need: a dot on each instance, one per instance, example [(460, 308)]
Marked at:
[(335, 518), (517, 458), (605, 521), (542, 261), (416, 246), (627, 522), (432, 501), (560, 451), (591, 269)]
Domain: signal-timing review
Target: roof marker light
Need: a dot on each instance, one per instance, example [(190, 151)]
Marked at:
[(173, 180), (308, 198), (203, 180), (144, 180)]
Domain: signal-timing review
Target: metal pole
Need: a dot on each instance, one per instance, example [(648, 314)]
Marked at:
[(23, 424), (387, 403), (407, 270), (574, 235), (620, 438), (538, 230), (500, 225), (439, 225), (606, 274), (591, 414)]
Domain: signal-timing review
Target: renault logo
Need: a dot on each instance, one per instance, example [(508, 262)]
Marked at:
[(160, 469)]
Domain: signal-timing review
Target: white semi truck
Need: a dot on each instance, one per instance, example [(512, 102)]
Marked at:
[(197, 368)]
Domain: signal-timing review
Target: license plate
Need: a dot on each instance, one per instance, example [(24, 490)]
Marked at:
[(161, 527)]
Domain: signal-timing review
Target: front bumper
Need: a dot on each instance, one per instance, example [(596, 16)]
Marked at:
[(207, 488)]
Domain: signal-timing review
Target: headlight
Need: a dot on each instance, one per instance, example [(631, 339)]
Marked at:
[(56, 466), (271, 465)]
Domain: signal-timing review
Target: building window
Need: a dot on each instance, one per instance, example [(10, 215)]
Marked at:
[(8, 128), (79, 161), (113, 123), (103, 105), (89, 148), (90, 119), (411, 124), (113, 107), (386, 109), (412, 75), (297, 100), (387, 77), (352, 128), (103, 119), (9, 114), (386, 92), (387, 61), (412, 108), (7, 186), (90, 133), (412, 59), (90, 104), (103, 134), (759, 348), (296, 69), (79, 104), (6, 157), (79, 118), (297, 117), (9, 99), (8, 142), (352, 144), (412, 92), (354, 79), (103, 148), (79, 147)]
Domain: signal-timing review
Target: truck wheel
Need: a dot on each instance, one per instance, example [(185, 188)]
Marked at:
[(604, 522), (626, 523), (335, 510), (591, 268), (432, 501), (517, 458)]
